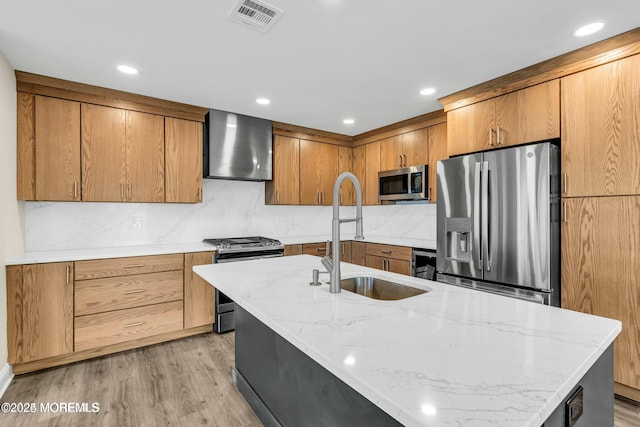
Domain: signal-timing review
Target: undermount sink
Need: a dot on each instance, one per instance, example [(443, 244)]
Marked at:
[(375, 288)]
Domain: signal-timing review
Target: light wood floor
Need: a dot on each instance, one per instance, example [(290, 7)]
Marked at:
[(181, 383)]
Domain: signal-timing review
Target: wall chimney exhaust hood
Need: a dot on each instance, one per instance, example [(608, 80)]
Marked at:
[(237, 147)]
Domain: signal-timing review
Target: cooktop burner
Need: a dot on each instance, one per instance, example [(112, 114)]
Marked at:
[(254, 243)]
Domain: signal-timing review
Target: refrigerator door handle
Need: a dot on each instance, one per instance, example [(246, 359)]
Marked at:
[(485, 217), (476, 218)]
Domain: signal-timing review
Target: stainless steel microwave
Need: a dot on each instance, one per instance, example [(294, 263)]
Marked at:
[(403, 184)]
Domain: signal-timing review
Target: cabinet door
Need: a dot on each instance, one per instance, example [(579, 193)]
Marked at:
[(372, 167), (345, 164), (528, 115), (437, 151), (183, 161), (318, 172), (284, 189), (399, 266), (25, 147), (376, 262), (358, 253), (345, 251), (57, 135), (415, 147), (39, 311), (103, 153), (199, 296), (290, 250), (601, 131), (470, 128), (317, 249), (601, 271), (391, 153), (359, 170), (145, 157)]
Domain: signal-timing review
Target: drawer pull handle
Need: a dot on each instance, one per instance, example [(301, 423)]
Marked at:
[(385, 251), (133, 266), (136, 291), (131, 325)]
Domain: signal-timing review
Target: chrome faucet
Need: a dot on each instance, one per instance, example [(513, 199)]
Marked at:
[(333, 264)]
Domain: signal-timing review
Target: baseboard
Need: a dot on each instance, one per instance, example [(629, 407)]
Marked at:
[(627, 392), (6, 375)]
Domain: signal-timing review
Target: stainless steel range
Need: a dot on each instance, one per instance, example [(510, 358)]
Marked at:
[(233, 249)]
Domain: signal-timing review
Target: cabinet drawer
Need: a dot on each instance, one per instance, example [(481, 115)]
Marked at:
[(115, 293), (99, 268), (318, 249), (393, 265), (99, 330), (389, 251)]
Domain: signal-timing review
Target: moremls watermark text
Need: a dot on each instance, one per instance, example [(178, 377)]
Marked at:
[(51, 407)]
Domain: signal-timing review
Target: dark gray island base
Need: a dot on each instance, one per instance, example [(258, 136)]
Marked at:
[(285, 387)]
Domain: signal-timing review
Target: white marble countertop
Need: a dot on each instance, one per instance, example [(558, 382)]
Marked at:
[(452, 356), (108, 252), (38, 257), (387, 240)]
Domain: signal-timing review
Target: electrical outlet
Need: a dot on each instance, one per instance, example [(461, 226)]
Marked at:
[(136, 222)]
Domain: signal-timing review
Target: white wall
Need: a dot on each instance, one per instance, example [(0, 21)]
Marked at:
[(230, 208), (11, 211)]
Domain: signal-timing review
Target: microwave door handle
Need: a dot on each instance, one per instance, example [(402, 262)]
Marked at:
[(476, 217), (485, 217)]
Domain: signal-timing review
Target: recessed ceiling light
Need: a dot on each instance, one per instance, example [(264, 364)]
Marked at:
[(348, 121), (428, 409), (263, 101), (588, 29), (127, 69), (428, 91)]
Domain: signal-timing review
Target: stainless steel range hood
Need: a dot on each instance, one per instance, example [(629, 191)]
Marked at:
[(237, 147)]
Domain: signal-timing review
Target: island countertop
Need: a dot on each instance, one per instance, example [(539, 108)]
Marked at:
[(451, 356)]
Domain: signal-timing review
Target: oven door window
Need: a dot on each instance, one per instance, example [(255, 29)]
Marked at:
[(396, 184)]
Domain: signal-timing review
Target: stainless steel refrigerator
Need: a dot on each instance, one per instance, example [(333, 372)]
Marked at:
[(499, 222)]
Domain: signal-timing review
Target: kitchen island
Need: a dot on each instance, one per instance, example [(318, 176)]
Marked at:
[(451, 356)]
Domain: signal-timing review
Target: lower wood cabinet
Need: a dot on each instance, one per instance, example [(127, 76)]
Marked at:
[(320, 249), (290, 250), (64, 312), (39, 311), (601, 273), (396, 259), (389, 264), (358, 253)]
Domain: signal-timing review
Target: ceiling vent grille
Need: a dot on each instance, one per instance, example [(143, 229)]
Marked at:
[(255, 14)]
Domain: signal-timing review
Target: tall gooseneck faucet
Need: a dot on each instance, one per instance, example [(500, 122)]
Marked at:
[(333, 265)]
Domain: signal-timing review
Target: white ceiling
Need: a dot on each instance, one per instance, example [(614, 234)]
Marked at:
[(323, 61)]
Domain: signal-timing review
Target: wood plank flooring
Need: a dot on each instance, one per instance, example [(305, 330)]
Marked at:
[(180, 383)]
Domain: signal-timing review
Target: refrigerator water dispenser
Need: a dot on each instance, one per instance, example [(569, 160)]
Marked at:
[(458, 239)]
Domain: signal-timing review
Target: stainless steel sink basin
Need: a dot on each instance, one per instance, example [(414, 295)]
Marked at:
[(375, 288)]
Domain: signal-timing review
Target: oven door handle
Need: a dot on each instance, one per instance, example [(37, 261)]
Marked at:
[(224, 260)]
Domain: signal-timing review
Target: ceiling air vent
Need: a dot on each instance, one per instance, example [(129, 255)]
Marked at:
[(255, 14)]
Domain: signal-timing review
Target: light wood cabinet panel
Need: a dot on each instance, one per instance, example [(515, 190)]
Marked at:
[(372, 167), (284, 189), (39, 311), (57, 135), (391, 153), (199, 295), (99, 268), (359, 170), (468, 128), (415, 147), (393, 265), (527, 115), (26, 145), (358, 253), (345, 164), (290, 250), (437, 151), (601, 271), (103, 153), (318, 172), (391, 251), (345, 251), (144, 157), (317, 249), (115, 293), (601, 131), (99, 330), (183, 161)]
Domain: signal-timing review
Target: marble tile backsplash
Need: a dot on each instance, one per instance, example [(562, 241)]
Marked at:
[(229, 208)]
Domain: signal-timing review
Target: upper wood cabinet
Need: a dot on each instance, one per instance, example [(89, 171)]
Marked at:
[(359, 170), (401, 151), (372, 167), (526, 115), (183, 160), (122, 155), (318, 172), (600, 130), (601, 271), (39, 311), (345, 164), (437, 151), (284, 189)]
